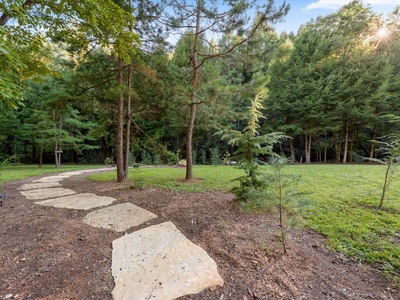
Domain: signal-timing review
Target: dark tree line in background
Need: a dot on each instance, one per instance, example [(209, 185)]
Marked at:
[(109, 88)]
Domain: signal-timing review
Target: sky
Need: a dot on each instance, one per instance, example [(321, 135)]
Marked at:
[(302, 11)]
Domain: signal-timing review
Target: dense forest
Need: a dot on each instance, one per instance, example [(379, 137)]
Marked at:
[(105, 80)]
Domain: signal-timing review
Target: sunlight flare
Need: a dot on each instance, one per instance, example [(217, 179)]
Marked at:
[(382, 32)]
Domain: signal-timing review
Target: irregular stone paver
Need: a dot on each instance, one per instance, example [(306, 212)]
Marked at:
[(157, 262), (160, 263), (39, 194), (79, 201), (71, 173), (39, 185), (56, 178), (118, 217)]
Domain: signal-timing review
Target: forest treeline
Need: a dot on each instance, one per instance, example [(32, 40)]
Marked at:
[(69, 91)]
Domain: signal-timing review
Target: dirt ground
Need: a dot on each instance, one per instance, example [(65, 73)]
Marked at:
[(49, 253)]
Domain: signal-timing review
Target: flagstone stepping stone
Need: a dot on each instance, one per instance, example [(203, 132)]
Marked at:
[(56, 178), (160, 263), (118, 217), (79, 201), (39, 185), (71, 173), (47, 193)]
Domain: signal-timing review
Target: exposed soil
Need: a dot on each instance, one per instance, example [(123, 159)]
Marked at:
[(49, 253)]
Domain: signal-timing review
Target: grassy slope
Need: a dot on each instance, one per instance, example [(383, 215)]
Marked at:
[(344, 201)]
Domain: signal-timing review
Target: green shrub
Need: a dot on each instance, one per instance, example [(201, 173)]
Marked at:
[(249, 146), (13, 160), (202, 157), (157, 159), (169, 157), (146, 158), (227, 158), (108, 161), (215, 156)]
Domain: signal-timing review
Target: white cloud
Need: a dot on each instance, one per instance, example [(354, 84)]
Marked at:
[(335, 4)]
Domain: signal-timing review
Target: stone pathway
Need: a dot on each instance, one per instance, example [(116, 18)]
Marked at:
[(157, 262)]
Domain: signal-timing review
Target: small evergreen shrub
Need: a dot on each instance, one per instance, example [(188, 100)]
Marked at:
[(215, 156), (276, 194), (390, 147), (202, 157), (146, 158), (157, 159), (227, 158), (108, 161), (249, 146), (170, 157)]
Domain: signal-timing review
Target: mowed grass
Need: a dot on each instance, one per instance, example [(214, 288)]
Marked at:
[(18, 172), (207, 178), (344, 203)]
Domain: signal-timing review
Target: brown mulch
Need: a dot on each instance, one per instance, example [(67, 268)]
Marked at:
[(49, 253)]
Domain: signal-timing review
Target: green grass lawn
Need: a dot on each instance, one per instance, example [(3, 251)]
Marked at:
[(211, 178), (344, 203), (17, 172)]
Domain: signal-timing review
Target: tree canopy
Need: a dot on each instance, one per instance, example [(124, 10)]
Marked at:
[(84, 77)]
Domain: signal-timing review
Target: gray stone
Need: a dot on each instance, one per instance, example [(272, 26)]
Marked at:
[(79, 201), (39, 185), (79, 172), (72, 173), (55, 178), (118, 217), (160, 263), (39, 194)]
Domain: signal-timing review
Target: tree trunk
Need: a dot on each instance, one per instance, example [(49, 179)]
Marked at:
[(41, 156), (56, 141), (281, 150), (195, 80), (59, 144), (351, 148), (292, 150), (120, 126), (128, 123), (386, 183), (346, 142), (356, 144), (337, 147), (308, 148), (325, 146), (371, 154), (55, 138)]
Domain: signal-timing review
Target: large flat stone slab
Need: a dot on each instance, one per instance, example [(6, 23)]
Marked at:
[(47, 193), (39, 185), (55, 178), (160, 263), (79, 201), (73, 173), (79, 172), (118, 217)]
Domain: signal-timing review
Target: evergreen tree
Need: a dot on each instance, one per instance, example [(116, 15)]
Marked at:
[(215, 18), (249, 146)]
